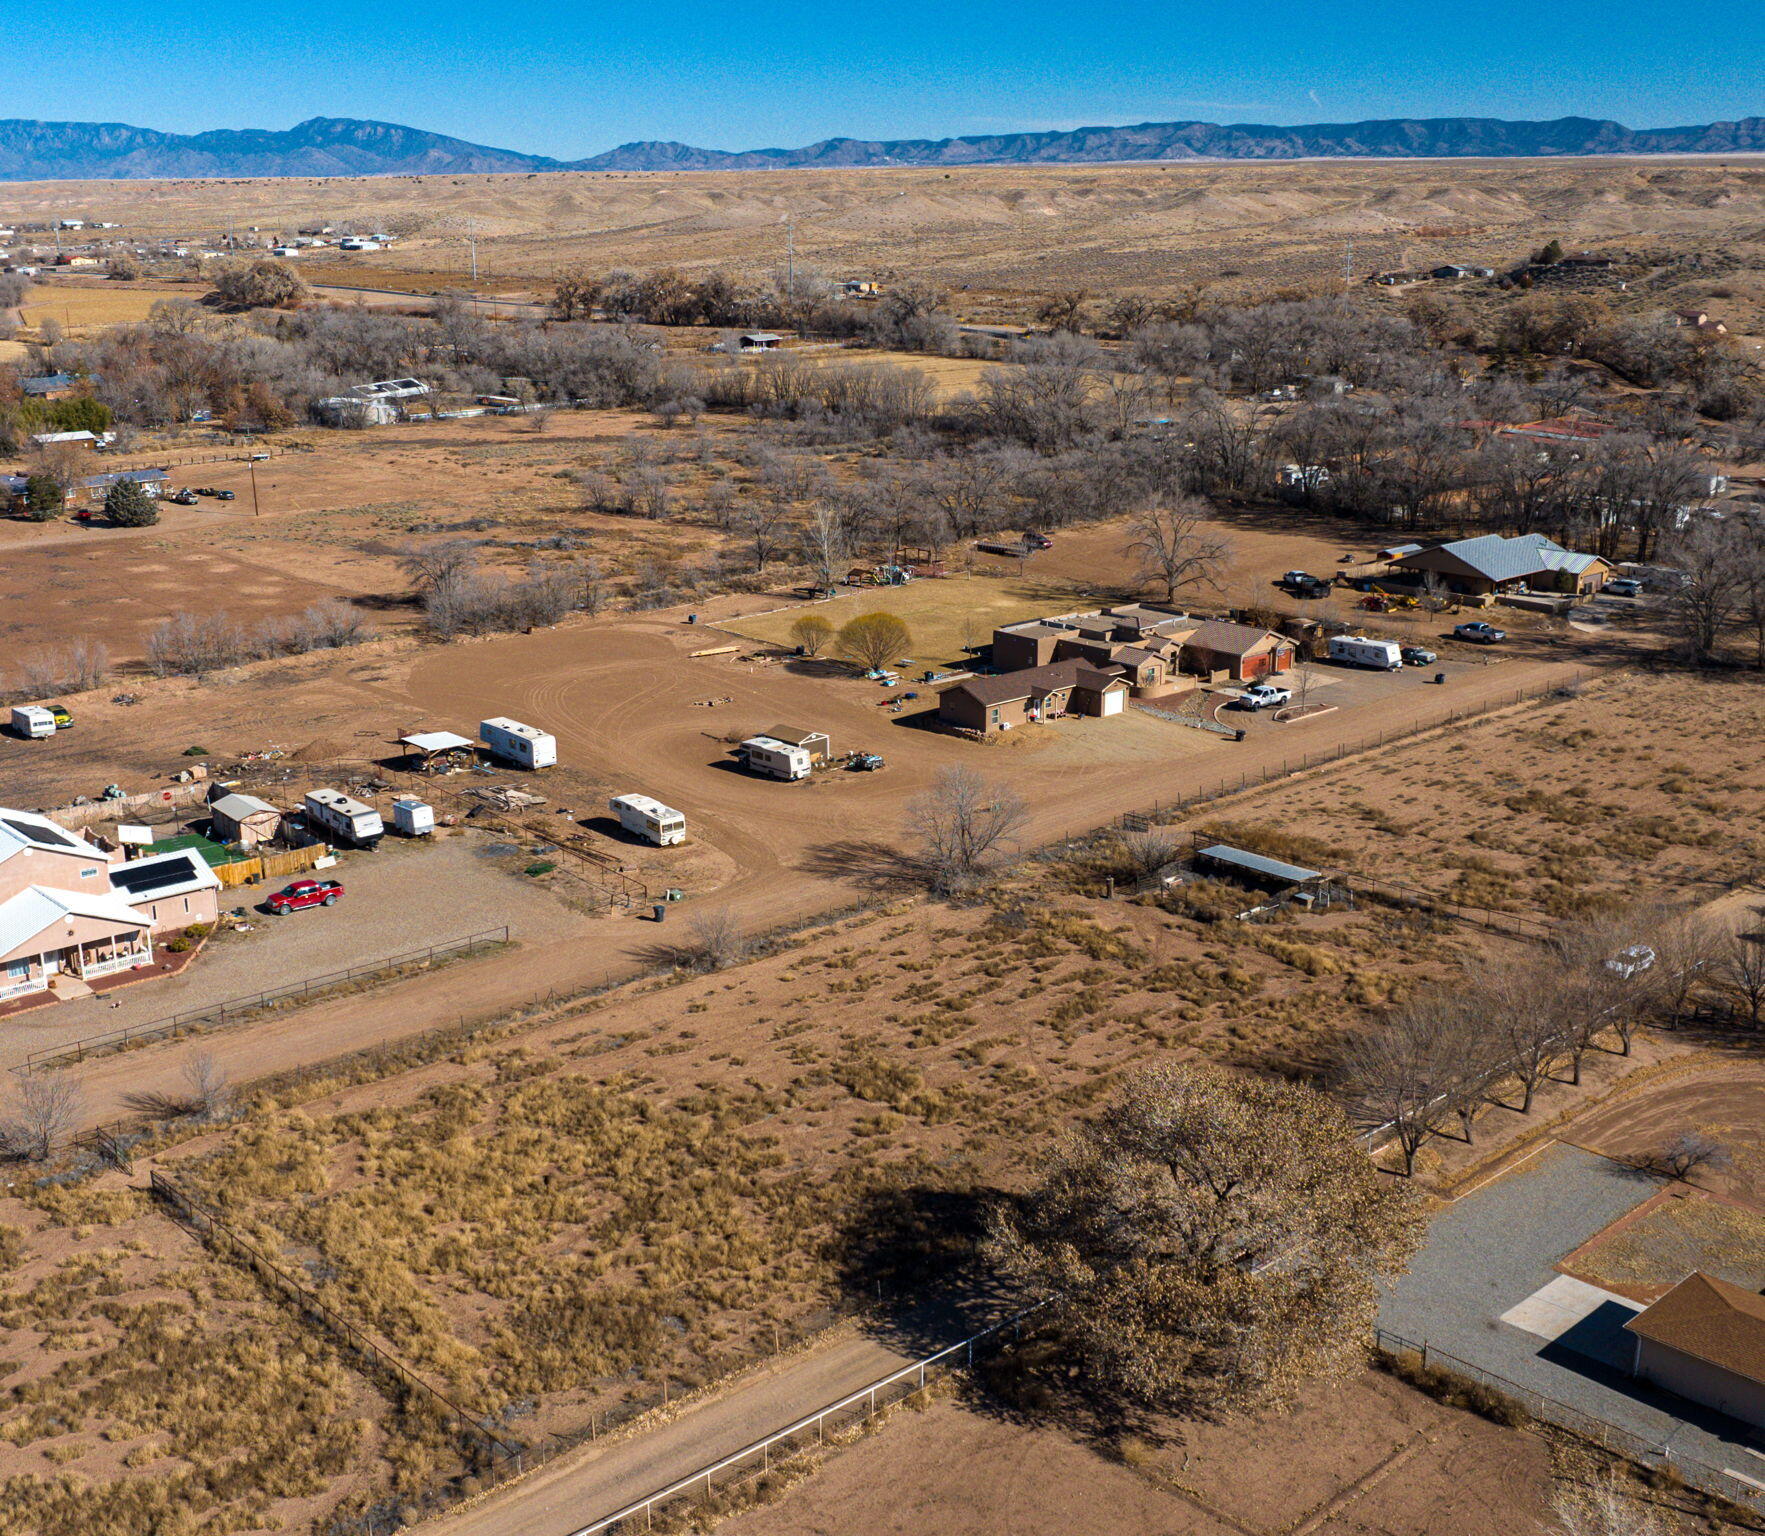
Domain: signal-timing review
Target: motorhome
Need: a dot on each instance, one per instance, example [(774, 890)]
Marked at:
[(775, 759), (343, 820), (649, 819), (525, 745)]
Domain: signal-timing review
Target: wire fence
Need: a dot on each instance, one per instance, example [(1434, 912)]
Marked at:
[(235, 1009), (1611, 1437)]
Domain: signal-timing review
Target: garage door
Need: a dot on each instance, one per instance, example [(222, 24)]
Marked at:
[(1112, 703), (1256, 666)]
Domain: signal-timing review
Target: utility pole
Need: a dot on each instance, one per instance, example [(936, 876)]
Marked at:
[(790, 263), (1348, 268), (252, 467)]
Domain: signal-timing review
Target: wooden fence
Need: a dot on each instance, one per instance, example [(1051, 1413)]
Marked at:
[(271, 866)]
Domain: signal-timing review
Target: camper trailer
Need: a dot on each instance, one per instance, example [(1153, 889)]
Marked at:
[(343, 820), (32, 721), (649, 819), (412, 817), (525, 745), (1357, 651), (775, 759)]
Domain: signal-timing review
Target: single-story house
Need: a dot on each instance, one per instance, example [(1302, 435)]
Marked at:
[(48, 386), (1699, 320), (243, 819), (58, 913), (172, 890), (992, 704), (152, 481), (1242, 651), (49, 439), (1705, 1341), (1494, 563), (1018, 647), (759, 341)]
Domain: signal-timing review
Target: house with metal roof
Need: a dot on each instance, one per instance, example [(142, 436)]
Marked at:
[(1494, 563)]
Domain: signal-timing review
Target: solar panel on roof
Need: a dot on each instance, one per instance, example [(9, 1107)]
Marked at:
[(40, 834), (139, 882)]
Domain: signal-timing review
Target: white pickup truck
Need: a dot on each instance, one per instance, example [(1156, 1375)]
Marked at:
[(1264, 696)]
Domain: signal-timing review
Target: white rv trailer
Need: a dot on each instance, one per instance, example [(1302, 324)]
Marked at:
[(1358, 651), (775, 759), (343, 820), (513, 742), (649, 819), (32, 721), (412, 817)]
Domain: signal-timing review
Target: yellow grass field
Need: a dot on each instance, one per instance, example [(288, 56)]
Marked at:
[(943, 614), (86, 307)]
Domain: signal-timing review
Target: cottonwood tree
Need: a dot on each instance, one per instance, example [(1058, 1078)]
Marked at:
[(963, 825), (826, 545), (266, 284), (435, 565), (1174, 546), (575, 294), (1740, 970), (873, 640), (812, 632), (1522, 1022), (1210, 1242), (1711, 555)]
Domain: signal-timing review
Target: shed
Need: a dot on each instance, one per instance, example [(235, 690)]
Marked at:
[(759, 341), (1705, 1341), (815, 743), (1255, 868), (428, 747), (244, 819)]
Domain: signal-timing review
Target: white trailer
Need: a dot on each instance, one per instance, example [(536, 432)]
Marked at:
[(32, 721), (525, 745), (342, 819), (775, 759), (1358, 651), (412, 817), (649, 819)]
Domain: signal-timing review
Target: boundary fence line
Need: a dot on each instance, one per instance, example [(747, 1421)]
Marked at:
[(1621, 1442), (191, 1213), (219, 1014), (863, 1404)]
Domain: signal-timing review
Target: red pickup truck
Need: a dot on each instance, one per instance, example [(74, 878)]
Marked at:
[(305, 893)]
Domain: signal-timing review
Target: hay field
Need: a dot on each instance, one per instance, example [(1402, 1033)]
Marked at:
[(83, 306)]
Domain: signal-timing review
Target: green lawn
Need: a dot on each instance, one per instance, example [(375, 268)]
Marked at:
[(943, 613)]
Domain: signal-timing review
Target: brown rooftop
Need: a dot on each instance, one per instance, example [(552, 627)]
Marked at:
[(1710, 1320), (1033, 680), (1231, 639)]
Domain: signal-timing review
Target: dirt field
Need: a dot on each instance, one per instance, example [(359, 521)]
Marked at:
[(1371, 1458), (83, 306), (993, 231)]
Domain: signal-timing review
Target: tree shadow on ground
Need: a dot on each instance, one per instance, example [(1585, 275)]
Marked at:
[(871, 865), (160, 1106)]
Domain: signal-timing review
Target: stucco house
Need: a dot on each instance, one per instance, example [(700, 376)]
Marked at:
[(1705, 1341), (66, 918), (1151, 646), (989, 705)]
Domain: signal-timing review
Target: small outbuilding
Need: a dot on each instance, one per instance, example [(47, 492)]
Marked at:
[(432, 751), (815, 743), (759, 341), (244, 820), (1705, 1341)]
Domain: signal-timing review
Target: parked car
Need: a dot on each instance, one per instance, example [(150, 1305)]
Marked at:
[(184, 497), (1264, 696), (1304, 584), (1479, 633), (305, 893), (1038, 541), (223, 495), (1418, 656), (1624, 586), (62, 715), (205, 490)]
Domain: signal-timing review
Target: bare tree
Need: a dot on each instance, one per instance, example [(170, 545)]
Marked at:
[(1430, 1060), (1607, 1508), (1740, 973), (209, 1089), (1174, 546), (825, 542), (434, 565), (48, 1107), (1149, 849), (1211, 1241), (1712, 557), (963, 825), (1523, 1034), (714, 941), (1682, 1156)]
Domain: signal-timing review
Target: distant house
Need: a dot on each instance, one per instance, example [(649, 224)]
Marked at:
[(1561, 429), (759, 341), (1451, 273), (1147, 646), (1705, 1341), (391, 389), (1493, 563), (50, 439), (152, 481), (990, 705), (48, 386), (1699, 320), (1586, 259)]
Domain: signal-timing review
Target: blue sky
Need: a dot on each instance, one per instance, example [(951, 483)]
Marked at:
[(569, 79)]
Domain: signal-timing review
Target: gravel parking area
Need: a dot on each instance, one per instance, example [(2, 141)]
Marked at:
[(1493, 1249), (402, 896)]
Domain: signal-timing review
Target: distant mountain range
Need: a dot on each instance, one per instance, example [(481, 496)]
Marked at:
[(339, 146)]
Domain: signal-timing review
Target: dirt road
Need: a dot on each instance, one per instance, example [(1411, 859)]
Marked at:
[(600, 1479), (618, 699)]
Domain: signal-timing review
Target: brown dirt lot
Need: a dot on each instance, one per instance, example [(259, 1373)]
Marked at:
[(1370, 1456)]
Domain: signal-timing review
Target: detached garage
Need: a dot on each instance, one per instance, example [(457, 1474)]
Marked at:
[(1705, 1341)]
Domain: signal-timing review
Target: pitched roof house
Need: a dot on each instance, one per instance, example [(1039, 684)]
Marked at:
[(992, 704), (1705, 1340), (1492, 563)]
